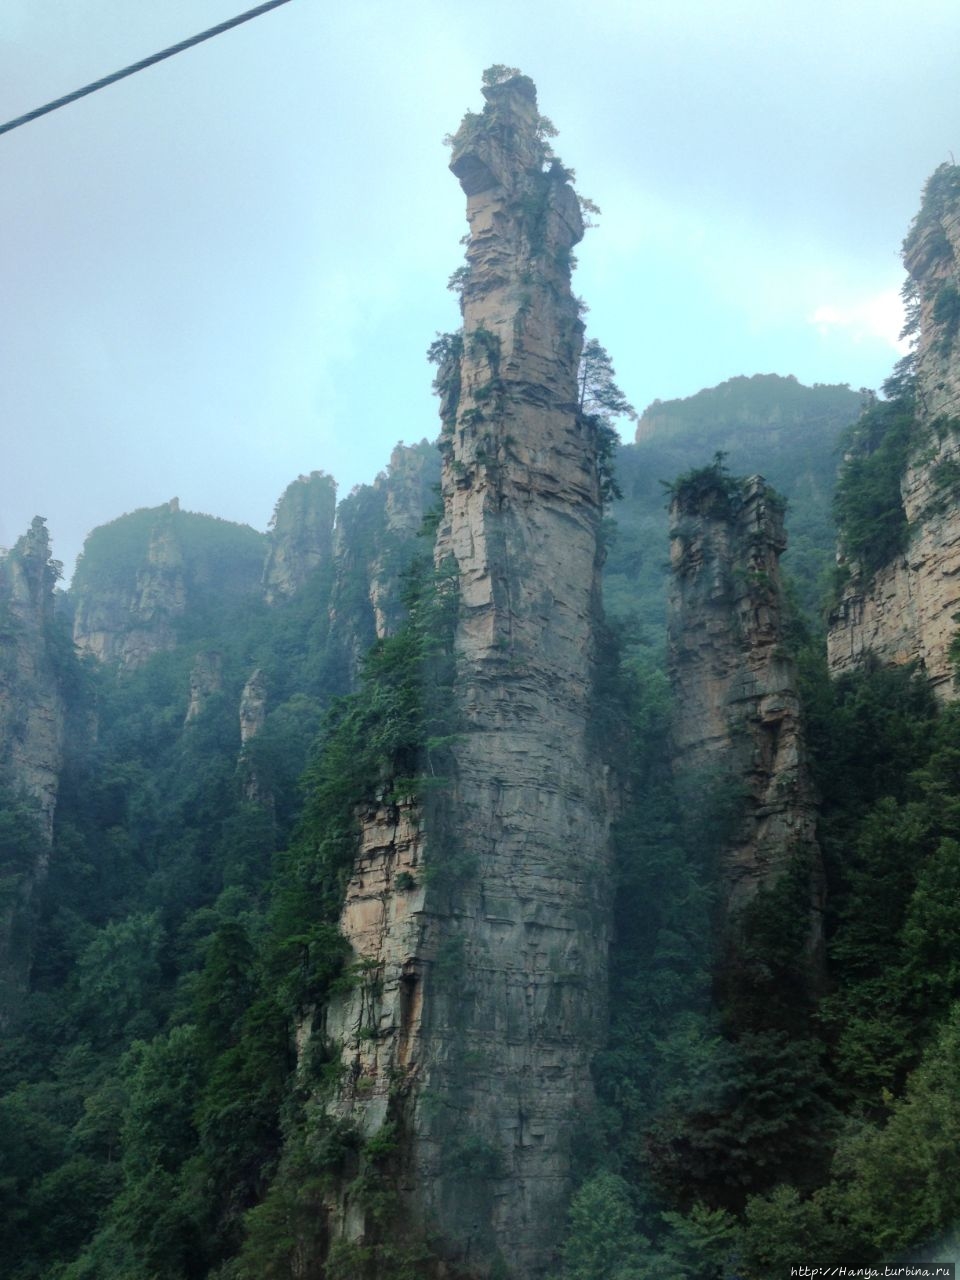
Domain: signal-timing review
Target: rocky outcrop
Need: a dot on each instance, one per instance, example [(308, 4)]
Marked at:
[(407, 486), (375, 542), (383, 917), (301, 539), (141, 575), (253, 707), (483, 928), (33, 715), (253, 716), (124, 623), (32, 709), (206, 680), (737, 722), (906, 611), (765, 415)]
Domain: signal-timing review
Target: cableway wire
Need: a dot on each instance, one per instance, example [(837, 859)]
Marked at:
[(139, 66)]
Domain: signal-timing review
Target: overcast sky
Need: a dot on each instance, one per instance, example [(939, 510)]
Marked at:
[(225, 270)]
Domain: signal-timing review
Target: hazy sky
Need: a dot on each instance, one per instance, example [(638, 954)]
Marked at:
[(226, 270)]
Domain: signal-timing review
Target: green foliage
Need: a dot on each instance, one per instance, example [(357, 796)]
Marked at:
[(394, 727), (482, 344), (868, 505), (710, 488), (762, 982), (163, 920), (705, 1104), (768, 424), (459, 280), (905, 1177), (498, 74), (698, 1245), (118, 978), (893, 1186), (600, 401), (946, 314), (663, 909), (939, 198), (152, 1126), (446, 352), (21, 846), (602, 1241), (598, 393), (888, 768), (886, 765), (221, 561), (781, 1227)]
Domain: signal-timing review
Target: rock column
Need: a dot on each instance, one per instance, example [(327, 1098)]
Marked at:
[(737, 722), (32, 725), (488, 924)]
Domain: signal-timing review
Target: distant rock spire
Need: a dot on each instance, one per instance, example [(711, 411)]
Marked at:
[(737, 722)]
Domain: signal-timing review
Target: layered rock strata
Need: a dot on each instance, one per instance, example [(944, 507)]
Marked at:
[(482, 927), (906, 612), (737, 723)]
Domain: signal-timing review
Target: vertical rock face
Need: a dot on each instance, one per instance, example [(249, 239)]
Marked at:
[(253, 716), (931, 254), (737, 717), (375, 541), (905, 611), (487, 1003), (407, 488), (301, 540), (140, 576), (253, 707), (206, 679), (124, 626), (31, 702), (32, 720)]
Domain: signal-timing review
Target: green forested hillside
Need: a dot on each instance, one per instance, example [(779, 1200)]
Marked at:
[(145, 1076), (154, 1124), (220, 559), (759, 1124)]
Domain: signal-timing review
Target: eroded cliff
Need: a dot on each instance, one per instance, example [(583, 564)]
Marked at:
[(301, 539), (141, 576), (33, 715), (125, 622), (904, 609), (479, 923)]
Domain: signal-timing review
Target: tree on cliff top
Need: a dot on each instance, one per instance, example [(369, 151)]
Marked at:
[(499, 74), (599, 401), (599, 396)]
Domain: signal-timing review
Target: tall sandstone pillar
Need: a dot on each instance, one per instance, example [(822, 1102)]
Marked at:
[(737, 723), (490, 994)]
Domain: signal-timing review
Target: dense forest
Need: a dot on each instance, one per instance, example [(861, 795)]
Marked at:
[(164, 1087)]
